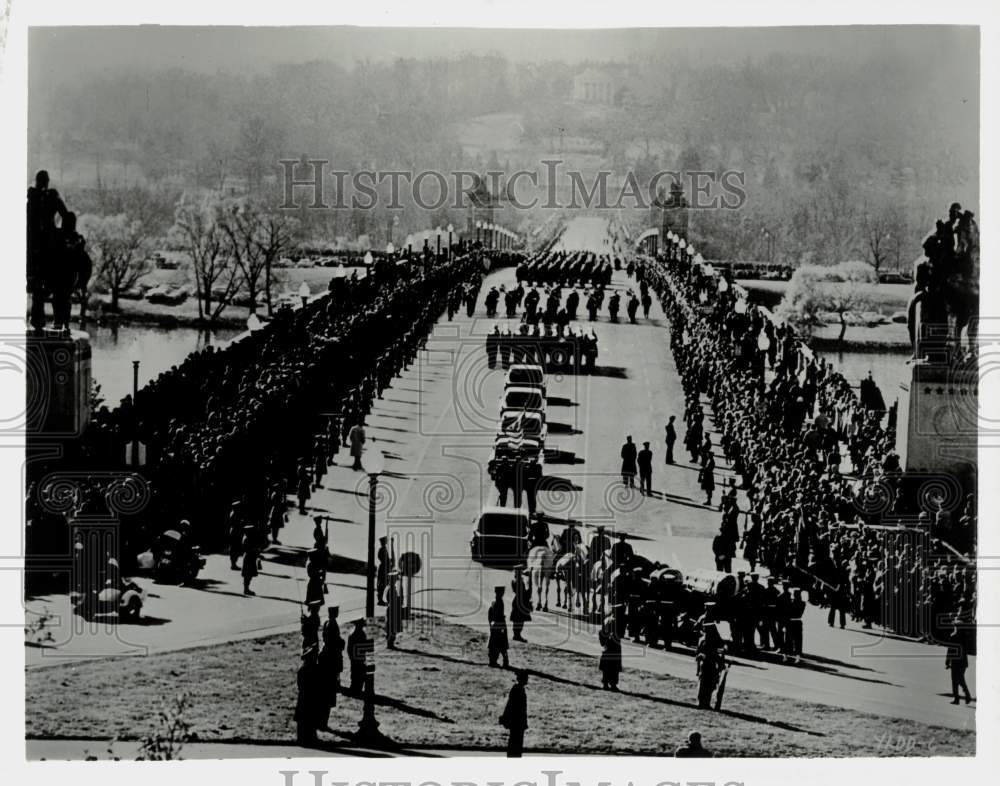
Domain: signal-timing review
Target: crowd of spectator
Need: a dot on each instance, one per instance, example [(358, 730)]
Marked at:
[(864, 537)]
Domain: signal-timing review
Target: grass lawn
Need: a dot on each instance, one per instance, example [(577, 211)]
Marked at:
[(437, 690)]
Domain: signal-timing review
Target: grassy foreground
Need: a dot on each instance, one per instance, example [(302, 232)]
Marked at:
[(438, 691)]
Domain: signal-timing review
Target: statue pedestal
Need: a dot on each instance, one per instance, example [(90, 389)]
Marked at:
[(57, 395), (942, 430)]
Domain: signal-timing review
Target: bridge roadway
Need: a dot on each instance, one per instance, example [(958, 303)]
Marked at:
[(436, 425)]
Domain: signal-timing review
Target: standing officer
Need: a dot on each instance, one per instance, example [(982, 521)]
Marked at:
[(492, 346), (671, 439), (515, 715), (769, 616), (711, 659), (394, 612), (358, 647), (331, 659), (644, 461), (496, 616), (793, 635), (382, 577), (740, 603), (520, 606), (754, 611), (628, 456), (957, 661), (308, 706), (611, 659), (782, 613)]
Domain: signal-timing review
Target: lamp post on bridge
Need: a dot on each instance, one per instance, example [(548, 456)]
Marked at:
[(451, 230), (769, 238), (136, 357), (373, 463)]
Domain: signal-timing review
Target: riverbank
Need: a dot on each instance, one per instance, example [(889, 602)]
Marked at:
[(440, 676)]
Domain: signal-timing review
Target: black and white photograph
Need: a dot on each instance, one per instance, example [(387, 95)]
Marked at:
[(447, 391)]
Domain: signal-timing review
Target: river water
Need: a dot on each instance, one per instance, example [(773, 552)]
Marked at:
[(158, 350)]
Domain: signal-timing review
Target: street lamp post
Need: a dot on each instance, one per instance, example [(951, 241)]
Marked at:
[(373, 462), (437, 232), (769, 238), (135, 356), (409, 245), (479, 227), (451, 229)]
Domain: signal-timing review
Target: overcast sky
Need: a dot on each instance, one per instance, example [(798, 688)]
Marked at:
[(56, 53)]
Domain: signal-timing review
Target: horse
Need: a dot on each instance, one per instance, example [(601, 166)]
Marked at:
[(572, 568), (541, 564)]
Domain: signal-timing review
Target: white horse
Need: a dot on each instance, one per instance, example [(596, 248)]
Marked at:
[(572, 568), (541, 565)]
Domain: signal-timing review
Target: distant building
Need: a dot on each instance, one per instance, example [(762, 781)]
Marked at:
[(595, 86)]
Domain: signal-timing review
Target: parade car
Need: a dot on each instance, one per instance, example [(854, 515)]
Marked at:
[(528, 399), (500, 536), (525, 375), (518, 448), (530, 424)]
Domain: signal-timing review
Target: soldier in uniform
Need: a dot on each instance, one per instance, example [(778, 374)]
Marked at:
[(331, 659), (310, 625), (753, 611), (515, 716), (622, 552), (635, 607), (538, 533), (394, 612), (666, 627), (497, 618), (599, 544), (358, 647), (382, 577), (492, 346), (793, 634), (309, 705), (739, 615), (235, 534), (769, 614), (520, 606), (569, 538), (650, 621), (611, 659), (711, 660), (782, 613)]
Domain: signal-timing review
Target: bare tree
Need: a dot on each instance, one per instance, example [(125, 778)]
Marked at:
[(882, 228), (119, 244), (198, 232), (256, 238)]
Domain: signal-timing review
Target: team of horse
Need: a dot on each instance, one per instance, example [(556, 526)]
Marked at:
[(579, 576)]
